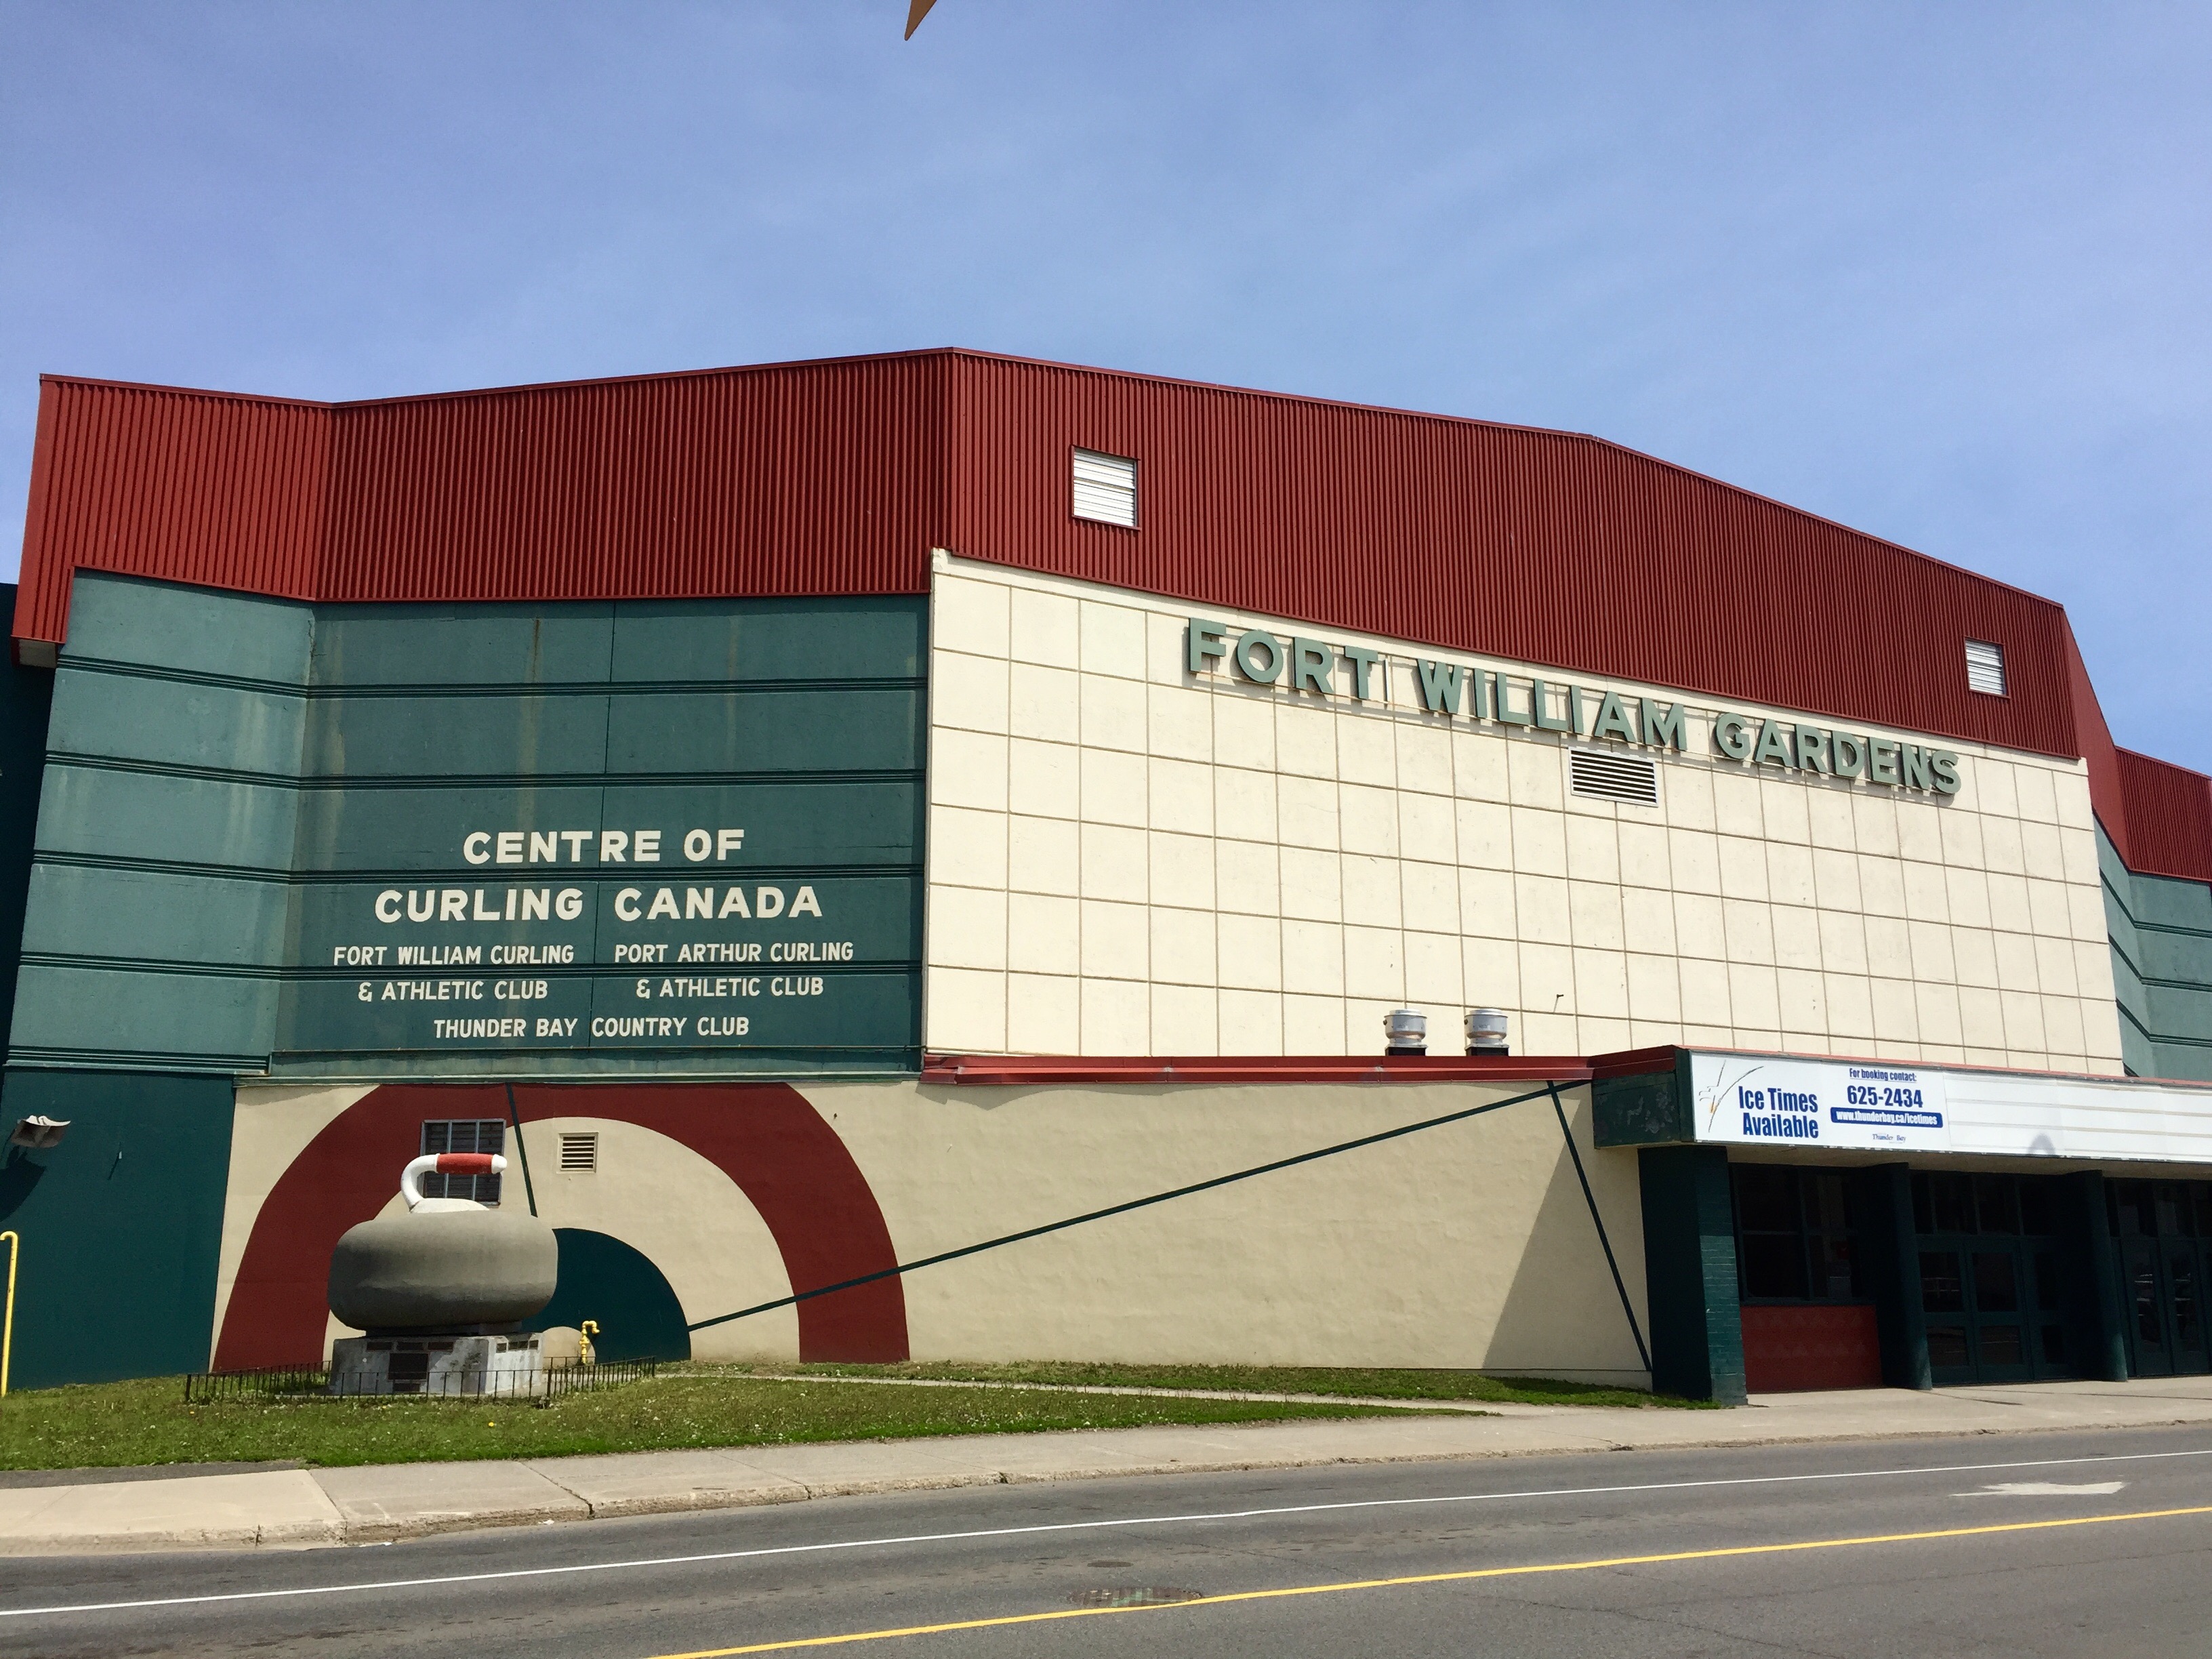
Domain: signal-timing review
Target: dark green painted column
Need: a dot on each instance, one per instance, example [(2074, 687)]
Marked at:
[(121, 1223), (1892, 1250), (1690, 1274), (27, 697), (2096, 1316)]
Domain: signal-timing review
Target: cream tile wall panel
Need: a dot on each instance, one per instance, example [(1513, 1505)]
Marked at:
[(1116, 863), (1647, 921), (967, 928), (1182, 950), (1250, 951), (1042, 855), (970, 616), (1427, 829), (1433, 975), (1044, 779), (1182, 871), (1184, 1021), (1044, 934), (1312, 884), (1245, 806), (1044, 703), (1247, 878), (1313, 958), (1045, 629), (1250, 1022), (1487, 905), (972, 846), (1180, 795), (1116, 1016), (1112, 640), (1339, 856), (1478, 767), (1373, 891), (965, 1011), (1425, 759), (1116, 941), (1796, 937), (1305, 811), (1179, 727), (1115, 713), (967, 769), (1044, 1016)]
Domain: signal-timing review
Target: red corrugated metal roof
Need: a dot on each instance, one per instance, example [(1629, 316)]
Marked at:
[(2169, 817), (841, 475)]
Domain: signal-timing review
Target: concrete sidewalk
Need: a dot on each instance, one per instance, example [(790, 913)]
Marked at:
[(300, 1507)]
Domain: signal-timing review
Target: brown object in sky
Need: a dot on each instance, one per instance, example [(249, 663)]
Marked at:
[(915, 11)]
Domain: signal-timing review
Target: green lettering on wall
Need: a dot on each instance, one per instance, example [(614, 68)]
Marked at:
[(1847, 754), (1507, 714), (1478, 702), (1881, 761), (1203, 639), (1440, 686), (1665, 730), (1361, 660), (1311, 665), (1812, 745), (1918, 774), (1732, 736), (1947, 771), (1539, 701), (1248, 648), (1773, 749), (1613, 720)]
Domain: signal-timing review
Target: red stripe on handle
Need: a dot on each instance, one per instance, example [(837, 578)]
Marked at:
[(468, 1164)]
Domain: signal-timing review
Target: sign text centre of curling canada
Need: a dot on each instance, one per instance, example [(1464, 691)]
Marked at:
[(430, 928)]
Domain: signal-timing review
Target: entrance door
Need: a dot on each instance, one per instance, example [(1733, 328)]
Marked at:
[(1991, 1289), (2159, 1227)]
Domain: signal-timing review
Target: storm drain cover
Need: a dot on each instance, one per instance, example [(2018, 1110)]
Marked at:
[(1135, 1596)]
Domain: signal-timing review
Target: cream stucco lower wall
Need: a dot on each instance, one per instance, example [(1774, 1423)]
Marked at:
[(1128, 858), (1468, 1245)]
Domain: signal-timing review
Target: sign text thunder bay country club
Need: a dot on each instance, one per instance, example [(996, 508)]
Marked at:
[(1600, 715)]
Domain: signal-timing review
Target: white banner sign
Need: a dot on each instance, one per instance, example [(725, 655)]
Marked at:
[(1758, 1100), (1751, 1100)]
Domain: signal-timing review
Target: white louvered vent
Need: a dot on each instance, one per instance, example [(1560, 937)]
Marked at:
[(1106, 488), (1594, 773), (580, 1153), (1985, 667)]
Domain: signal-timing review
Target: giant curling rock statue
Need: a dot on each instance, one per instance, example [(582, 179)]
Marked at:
[(440, 1290)]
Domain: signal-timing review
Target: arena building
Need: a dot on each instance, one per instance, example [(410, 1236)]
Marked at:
[(913, 857)]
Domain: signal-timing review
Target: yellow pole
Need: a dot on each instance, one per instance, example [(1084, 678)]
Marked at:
[(8, 1329)]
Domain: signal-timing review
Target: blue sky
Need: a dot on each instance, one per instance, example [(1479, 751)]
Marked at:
[(1942, 273)]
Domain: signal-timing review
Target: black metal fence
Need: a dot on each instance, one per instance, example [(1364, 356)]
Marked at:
[(305, 1383)]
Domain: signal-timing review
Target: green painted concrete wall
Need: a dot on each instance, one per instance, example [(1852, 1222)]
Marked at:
[(121, 1223), (2162, 935), (25, 698), (232, 781)]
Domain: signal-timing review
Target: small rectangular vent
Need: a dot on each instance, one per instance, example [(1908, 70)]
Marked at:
[(487, 1134), (1985, 668), (1106, 488), (580, 1153), (1603, 776)]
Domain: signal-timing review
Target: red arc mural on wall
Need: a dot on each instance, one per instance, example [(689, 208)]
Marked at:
[(765, 1137)]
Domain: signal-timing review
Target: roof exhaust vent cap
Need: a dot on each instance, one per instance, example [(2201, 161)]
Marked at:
[(1405, 1031), (1485, 1031)]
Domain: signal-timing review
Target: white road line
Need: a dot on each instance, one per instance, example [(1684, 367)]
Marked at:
[(1069, 1526)]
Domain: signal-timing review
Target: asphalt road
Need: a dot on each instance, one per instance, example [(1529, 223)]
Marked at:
[(1919, 1548)]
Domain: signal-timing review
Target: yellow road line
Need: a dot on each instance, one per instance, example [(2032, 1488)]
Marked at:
[(1435, 1578)]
